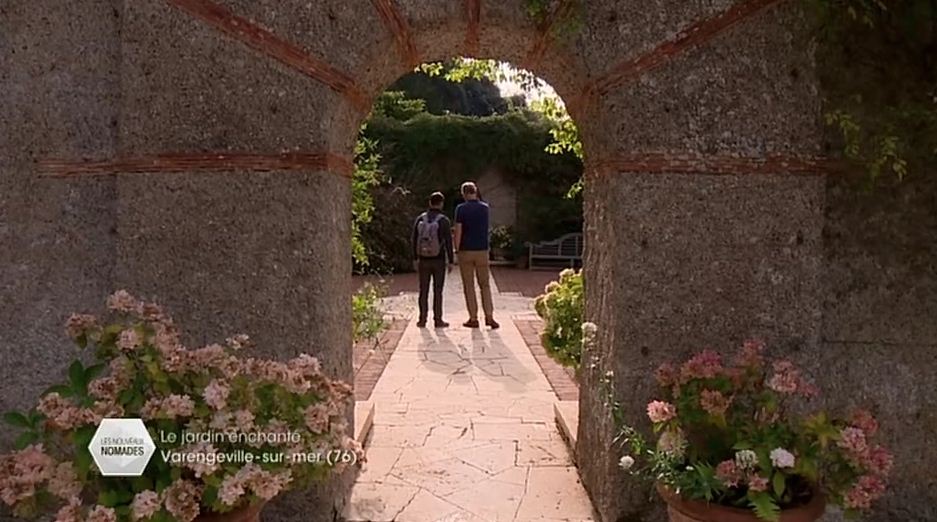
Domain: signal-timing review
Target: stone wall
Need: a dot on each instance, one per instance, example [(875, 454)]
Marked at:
[(879, 329), (59, 92)]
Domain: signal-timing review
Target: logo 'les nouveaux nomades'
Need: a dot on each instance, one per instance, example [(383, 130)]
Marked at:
[(121, 447)]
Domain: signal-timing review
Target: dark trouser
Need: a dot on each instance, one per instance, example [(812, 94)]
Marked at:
[(435, 268)]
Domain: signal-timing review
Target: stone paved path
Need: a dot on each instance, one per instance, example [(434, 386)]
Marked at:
[(464, 430)]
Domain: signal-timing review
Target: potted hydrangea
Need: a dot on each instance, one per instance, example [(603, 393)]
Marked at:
[(729, 447), (231, 432)]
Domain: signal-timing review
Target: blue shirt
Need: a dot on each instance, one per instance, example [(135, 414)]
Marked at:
[(473, 216)]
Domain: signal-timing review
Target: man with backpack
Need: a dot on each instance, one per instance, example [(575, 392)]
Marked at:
[(433, 256)]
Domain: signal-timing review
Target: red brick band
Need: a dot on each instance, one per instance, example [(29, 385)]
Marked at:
[(398, 26), (473, 10), (200, 162), (545, 34), (664, 163), (693, 36), (255, 36)]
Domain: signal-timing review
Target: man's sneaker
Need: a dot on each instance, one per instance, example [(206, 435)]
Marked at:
[(438, 323), (492, 323), (421, 324), (471, 323)]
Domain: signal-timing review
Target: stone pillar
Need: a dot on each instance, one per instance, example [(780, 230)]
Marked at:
[(59, 89), (696, 238), (238, 251)]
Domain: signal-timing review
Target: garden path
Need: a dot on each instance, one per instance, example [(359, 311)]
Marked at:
[(464, 429)]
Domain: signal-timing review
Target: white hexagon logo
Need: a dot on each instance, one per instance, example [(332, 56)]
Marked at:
[(121, 447)]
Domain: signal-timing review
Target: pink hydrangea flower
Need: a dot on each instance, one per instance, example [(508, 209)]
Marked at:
[(864, 420), (122, 301), (660, 411), (170, 407), (22, 472), (216, 394), (666, 375), (231, 490), (854, 442), (705, 365), (785, 379), (672, 442), (866, 490), (70, 512), (129, 340), (317, 417), (728, 473), (145, 504), (79, 324), (714, 402), (182, 500), (64, 482), (102, 514), (750, 356), (757, 483), (879, 461), (105, 388)]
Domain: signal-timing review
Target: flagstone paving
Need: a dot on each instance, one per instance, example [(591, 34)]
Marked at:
[(464, 429)]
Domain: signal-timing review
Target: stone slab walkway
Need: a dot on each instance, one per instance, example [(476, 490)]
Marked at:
[(464, 430)]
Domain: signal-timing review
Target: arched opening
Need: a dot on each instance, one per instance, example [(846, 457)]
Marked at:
[(467, 421)]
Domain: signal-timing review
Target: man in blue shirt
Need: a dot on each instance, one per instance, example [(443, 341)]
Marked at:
[(471, 242)]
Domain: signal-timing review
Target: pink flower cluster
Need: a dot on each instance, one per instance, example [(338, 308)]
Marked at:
[(181, 499), (660, 411), (705, 365), (788, 380), (867, 490), (23, 472), (170, 407), (876, 459), (734, 475), (714, 402), (251, 477)]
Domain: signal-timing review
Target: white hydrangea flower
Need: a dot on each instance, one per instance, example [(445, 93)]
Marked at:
[(781, 458), (746, 459), (626, 462)]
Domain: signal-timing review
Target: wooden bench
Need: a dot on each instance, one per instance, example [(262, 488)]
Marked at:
[(567, 248)]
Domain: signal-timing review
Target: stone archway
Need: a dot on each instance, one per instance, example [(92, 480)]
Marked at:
[(219, 134)]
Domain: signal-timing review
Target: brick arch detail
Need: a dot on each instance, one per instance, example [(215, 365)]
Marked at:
[(583, 96)]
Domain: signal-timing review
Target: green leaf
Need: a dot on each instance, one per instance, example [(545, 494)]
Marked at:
[(93, 371), (76, 376), (764, 506), (83, 435), (15, 418), (26, 439), (779, 484), (83, 461), (61, 389)]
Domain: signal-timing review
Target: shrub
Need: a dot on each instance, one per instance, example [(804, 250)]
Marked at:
[(731, 434), (207, 409), (367, 317), (561, 307)]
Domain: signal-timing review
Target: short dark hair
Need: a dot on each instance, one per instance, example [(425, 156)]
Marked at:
[(436, 199)]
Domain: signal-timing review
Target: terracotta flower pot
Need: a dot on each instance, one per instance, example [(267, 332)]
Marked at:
[(681, 510), (245, 514)]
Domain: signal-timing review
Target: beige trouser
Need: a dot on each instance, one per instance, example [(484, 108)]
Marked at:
[(475, 263)]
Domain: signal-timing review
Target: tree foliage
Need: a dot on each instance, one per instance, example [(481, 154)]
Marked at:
[(877, 65), (424, 152)]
